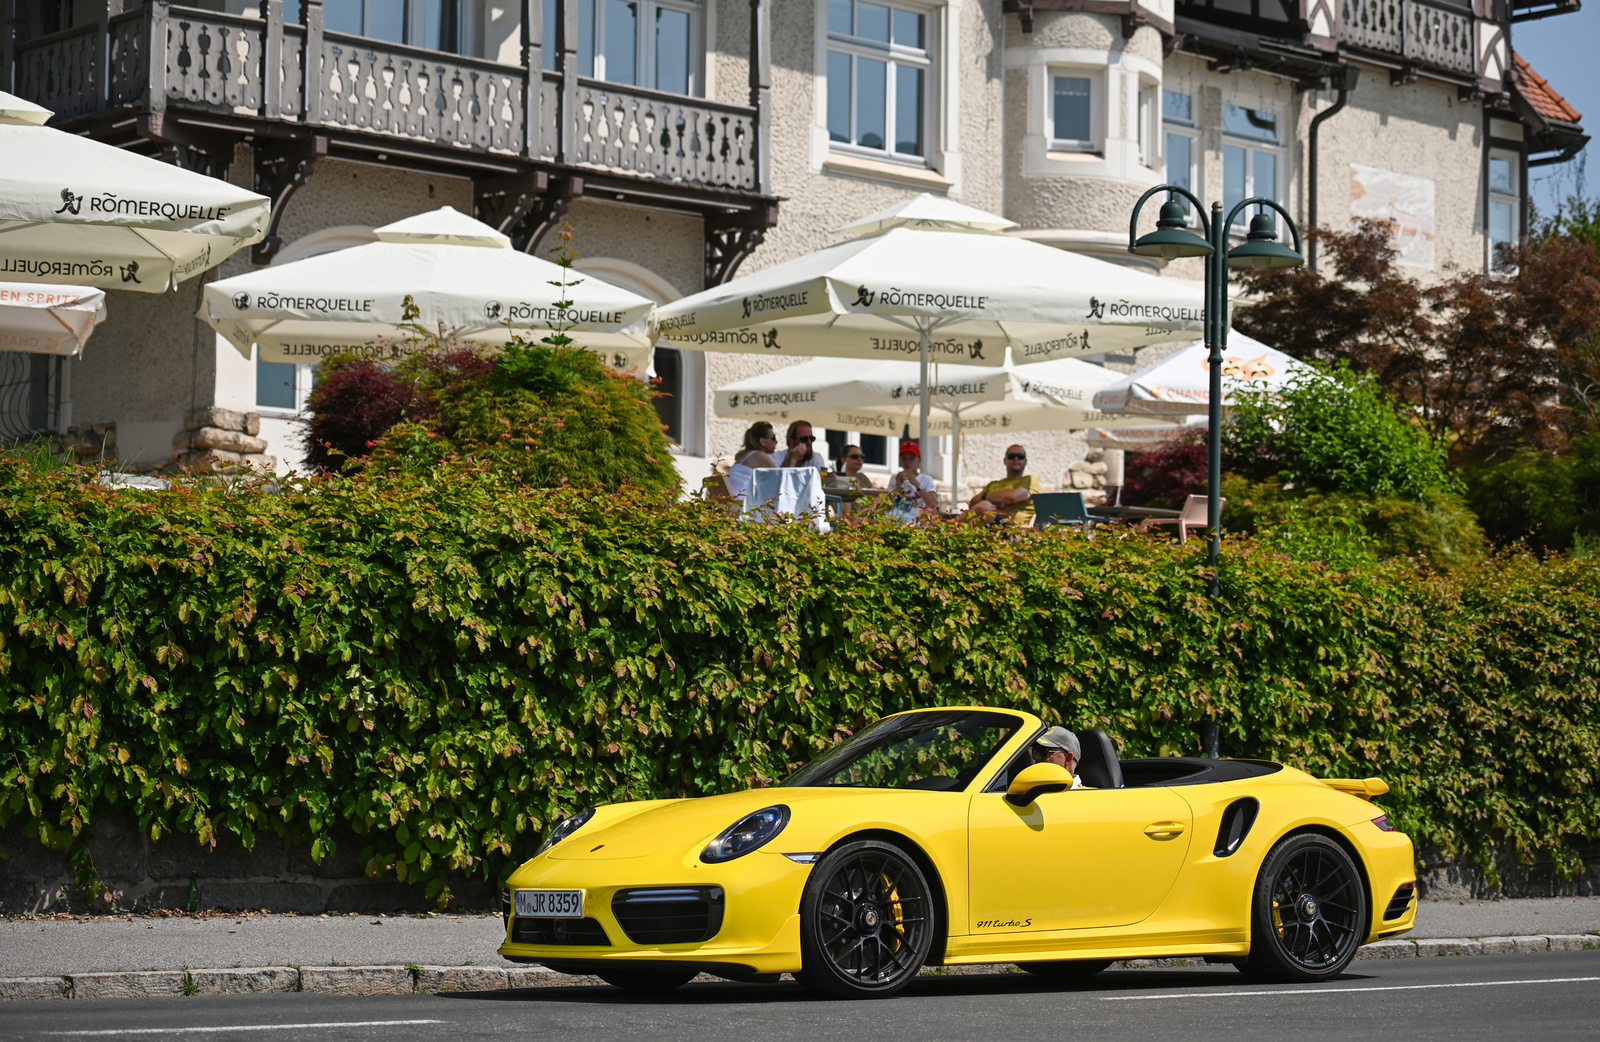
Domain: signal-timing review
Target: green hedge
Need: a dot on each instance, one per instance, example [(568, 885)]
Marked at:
[(446, 663)]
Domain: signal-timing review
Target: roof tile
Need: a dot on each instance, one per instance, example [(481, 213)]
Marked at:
[(1543, 97)]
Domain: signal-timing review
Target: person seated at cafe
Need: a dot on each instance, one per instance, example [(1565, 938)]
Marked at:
[(760, 441), (849, 469), (1008, 500), (914, 491), (801, 451)]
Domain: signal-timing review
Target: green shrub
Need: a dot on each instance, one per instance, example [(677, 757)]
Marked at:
[(1439, 528), (447, 660), (1337, 432), (1546, 501)]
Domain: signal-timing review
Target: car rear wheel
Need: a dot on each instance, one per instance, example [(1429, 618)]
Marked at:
[(1309, 912), (1063, 972), (643, 981), (866, 921)]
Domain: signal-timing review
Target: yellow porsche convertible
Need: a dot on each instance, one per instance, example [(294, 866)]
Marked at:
[(932, 837)]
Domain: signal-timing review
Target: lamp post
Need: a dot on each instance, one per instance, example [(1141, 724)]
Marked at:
[(1259, 252)]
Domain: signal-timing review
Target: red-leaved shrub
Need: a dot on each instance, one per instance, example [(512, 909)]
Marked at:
[(1164, 476)]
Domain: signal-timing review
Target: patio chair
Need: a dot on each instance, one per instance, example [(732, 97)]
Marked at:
[(1061, 508), (1193, 515)]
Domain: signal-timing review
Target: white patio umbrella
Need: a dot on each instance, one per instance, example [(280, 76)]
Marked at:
[(1180, 385), (882, 397), (46, 319), (1142, 435), (79, 211), (461, 273), (932, 280)]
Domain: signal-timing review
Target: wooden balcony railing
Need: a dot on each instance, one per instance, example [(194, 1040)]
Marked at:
[(1411, 29), (161, 57)]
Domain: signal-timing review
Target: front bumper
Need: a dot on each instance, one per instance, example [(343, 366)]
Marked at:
[(758, 933), (1391, 866)]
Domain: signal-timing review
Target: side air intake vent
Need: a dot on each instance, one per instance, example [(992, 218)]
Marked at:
[(1236, 822), (1400, 902)]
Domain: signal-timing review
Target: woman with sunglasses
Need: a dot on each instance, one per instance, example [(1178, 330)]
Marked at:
[(760, 441), (848, 477)]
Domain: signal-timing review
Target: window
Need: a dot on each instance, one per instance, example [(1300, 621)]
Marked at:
[(1147, 124), (283, 385), (668, 364), (1250, 157), (1182, 142), (438, 25), (1072, 100), (54, 16), (1504, 205), (879, 72), (647, 43)]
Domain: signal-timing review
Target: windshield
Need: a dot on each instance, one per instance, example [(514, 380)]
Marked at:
[(942, 751)]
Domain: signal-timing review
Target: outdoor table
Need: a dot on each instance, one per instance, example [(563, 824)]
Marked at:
[(1132, 513)]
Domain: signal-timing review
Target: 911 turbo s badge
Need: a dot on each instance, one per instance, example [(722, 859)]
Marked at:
[(1004, 924)]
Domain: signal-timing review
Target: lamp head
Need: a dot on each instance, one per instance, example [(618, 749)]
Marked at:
[(1172, 238), (1261, 251)]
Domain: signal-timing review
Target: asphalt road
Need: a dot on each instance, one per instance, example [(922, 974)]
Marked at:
[(1548, 997)]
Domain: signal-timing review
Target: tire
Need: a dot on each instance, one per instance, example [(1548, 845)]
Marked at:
[(1308, 914), (1065, 972), (866, 921), (647, 981)]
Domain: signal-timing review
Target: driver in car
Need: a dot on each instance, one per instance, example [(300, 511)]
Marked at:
[(1060, 747)]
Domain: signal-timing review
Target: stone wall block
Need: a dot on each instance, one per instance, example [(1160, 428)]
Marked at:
[(1573, 942), (431, 979), (245, 981), (1391, 949), (150, 984), (252, 424), (357, 980), (1497, 945), (215, 416), (228, 440), (29, 988), (1448, 946)]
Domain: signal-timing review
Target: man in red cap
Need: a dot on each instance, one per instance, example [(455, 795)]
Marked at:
[(913, 490)]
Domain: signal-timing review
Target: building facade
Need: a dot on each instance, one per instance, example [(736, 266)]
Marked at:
[(687, 140)]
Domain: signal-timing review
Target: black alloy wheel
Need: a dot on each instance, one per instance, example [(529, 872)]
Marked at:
[(866, 921), (1065, 972), (1309, 914), (647, 980)]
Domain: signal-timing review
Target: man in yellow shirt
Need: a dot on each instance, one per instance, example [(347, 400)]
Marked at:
[(1011, 497)]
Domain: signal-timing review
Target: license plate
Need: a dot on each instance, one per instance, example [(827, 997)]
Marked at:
[(550, 904)]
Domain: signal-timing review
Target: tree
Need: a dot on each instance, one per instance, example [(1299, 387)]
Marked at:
[(1488, 361)]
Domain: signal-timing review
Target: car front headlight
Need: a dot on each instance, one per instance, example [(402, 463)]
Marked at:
[(565, 828), (750, 832)]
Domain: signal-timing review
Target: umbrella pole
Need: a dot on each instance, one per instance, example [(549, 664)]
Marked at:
[(922, 429), (955, 457)]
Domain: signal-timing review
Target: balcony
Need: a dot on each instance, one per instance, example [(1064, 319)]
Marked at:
[(196, 82), (1420, 33)]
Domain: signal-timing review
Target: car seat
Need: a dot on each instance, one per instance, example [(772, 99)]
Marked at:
[(1098, 768)]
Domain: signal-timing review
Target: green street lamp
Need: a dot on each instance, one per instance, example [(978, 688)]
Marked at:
[(1259, 252)]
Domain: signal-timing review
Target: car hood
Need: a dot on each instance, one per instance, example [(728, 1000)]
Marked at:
[(678, 825)]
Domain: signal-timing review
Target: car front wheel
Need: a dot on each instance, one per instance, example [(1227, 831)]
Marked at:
[(1309, 913), (866, 921)]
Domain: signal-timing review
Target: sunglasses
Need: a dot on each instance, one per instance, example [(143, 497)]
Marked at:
[(856, 456), (1016, 455), (766, 437), (808, 439)]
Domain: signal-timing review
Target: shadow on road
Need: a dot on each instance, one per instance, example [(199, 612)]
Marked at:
[(717, 993)]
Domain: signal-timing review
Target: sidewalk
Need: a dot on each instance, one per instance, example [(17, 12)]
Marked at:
[(103, 944)]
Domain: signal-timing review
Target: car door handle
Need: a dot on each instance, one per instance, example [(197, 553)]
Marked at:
[(1164, 830)]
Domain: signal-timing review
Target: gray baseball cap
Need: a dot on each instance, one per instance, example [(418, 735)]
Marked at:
[(1061, 738)]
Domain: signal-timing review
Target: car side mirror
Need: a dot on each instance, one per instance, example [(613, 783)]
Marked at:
[(1033, 782)]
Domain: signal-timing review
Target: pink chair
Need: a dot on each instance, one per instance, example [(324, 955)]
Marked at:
[(1193, 515)]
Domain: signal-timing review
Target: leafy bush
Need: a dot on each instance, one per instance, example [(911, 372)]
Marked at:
[(354, 402), (1548, 502), (1166, 476), (1336, 432), (446, 660), (1344, 526)]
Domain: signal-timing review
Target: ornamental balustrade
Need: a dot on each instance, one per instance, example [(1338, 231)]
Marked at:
[(160, 57), (1421, 32)]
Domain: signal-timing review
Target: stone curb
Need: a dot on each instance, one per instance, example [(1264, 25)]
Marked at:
[(411, 979)]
